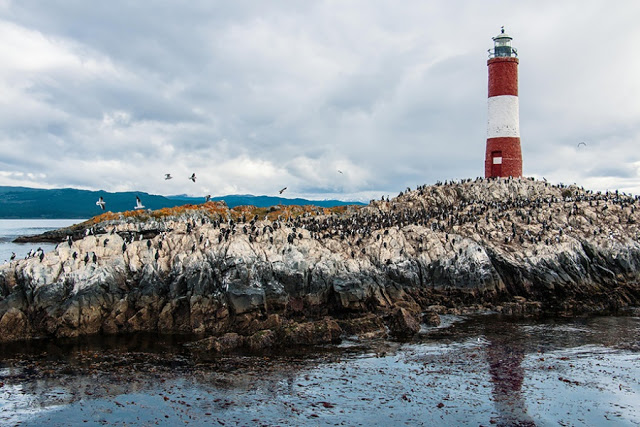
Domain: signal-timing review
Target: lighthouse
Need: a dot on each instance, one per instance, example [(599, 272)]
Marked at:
[(503, 154)]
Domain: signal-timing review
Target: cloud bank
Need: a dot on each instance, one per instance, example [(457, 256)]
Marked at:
[(348, 100)]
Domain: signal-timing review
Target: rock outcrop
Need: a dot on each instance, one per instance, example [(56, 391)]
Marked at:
[(257, 278)]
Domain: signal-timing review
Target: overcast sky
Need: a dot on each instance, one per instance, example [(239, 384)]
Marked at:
[(332, 99)]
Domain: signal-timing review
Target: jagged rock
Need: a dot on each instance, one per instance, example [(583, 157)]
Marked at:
[(431, 318), (325, 331), (308, 275), (262, 340), (14, 325), (402, 323), (224, 344), (368, 326)]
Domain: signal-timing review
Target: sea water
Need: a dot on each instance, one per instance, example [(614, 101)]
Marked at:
[(12, 228), (482, 370)]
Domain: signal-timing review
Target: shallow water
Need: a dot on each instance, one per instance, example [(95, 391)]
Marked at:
[(12, 228), (476, 371)]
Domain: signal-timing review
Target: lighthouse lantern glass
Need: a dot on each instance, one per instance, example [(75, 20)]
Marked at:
[(502, 46)]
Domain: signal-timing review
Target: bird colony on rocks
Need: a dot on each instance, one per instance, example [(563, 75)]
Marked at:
[(259, 278)]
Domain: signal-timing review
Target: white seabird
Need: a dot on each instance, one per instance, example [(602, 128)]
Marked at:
[(139, 204), (101, 202)]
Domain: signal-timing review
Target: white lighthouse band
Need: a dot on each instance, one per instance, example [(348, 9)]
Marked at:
[(503, 117)]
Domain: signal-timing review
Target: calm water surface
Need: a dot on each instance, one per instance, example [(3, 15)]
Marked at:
[(471, 371), (12, 228)]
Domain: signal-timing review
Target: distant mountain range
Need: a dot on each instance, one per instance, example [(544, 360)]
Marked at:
[(24, 202)]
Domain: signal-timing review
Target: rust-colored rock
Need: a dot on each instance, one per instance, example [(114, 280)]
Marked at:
[(402, 323)]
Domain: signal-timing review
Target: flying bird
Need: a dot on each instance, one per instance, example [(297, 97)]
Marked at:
[(167, 176), (139, 204), (582, 143), (339, 171), (193, 177), (101, 202), (282, 191)]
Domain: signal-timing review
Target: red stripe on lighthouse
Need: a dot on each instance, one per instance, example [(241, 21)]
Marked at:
[(503, 76), (506, 153)]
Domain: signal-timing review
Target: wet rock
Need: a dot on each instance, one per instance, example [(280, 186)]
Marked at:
[(325, 331), (402, 323), (262, 340), (14, 325), (224, 344), (431, 318), (366, 327)]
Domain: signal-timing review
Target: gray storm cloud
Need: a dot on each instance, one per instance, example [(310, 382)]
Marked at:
[(254, 96)]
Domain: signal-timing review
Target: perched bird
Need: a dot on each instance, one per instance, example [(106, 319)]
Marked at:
[(193, 177), (13, 256), (282, 191), (101, 202), (167, 176), (139, 204), (207, 198)]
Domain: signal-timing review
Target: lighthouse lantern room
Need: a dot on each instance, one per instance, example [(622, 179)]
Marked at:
[(503, 154)]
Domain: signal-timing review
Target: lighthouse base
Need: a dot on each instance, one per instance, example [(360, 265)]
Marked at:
[(503, 157)]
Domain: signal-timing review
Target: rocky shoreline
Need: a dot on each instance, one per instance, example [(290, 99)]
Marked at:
[(258, 278)]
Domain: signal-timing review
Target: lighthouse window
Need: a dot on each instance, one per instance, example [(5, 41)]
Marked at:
[(497, 157)]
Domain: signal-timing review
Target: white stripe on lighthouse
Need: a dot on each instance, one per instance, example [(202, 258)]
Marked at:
[(503, 117)]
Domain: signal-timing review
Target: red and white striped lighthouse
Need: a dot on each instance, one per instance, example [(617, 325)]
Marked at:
[(503, 155)]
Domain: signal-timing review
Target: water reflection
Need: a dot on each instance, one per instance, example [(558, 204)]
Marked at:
[(505, 354), (480, 371)]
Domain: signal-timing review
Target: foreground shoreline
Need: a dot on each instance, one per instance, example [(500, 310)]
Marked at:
[(260, 278), (478, 370)]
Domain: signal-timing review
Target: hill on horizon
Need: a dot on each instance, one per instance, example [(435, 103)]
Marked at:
[(29, 203)]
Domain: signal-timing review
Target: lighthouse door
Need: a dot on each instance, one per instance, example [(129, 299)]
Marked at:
[(496, 163)]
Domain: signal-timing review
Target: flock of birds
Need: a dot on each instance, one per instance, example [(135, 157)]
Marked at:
[(102, 204), (167, 176), (541, 219)]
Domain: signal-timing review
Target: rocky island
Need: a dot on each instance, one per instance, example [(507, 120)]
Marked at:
[(258, 278)]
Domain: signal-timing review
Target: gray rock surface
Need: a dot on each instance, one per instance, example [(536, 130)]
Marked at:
[(516, 246)]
